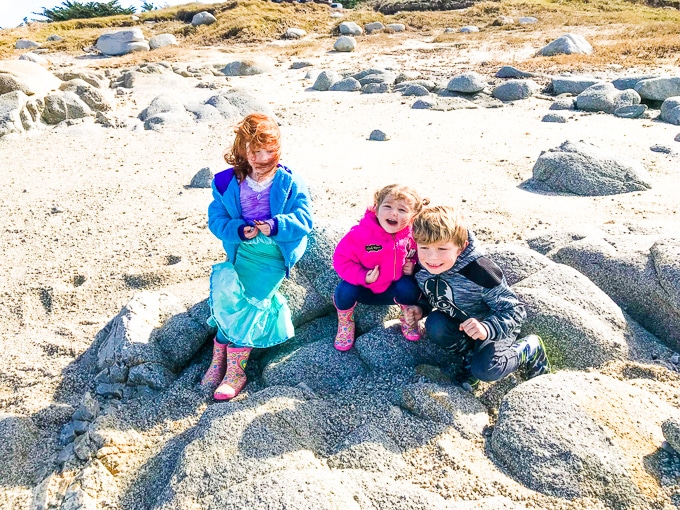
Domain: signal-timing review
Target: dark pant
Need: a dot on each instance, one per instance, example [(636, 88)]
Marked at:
[(489, 360), (404, 291)]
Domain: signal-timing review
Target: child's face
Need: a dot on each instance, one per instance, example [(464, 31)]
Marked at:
[(261, 160), (394, 215), (439, 257)]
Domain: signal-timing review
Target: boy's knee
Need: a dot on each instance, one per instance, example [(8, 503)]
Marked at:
[(436, 329), (487, 367)]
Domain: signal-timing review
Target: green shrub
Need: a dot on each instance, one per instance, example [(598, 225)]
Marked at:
[(77, 10)]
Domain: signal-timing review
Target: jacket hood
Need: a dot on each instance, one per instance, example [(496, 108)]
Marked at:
[(471, 253)]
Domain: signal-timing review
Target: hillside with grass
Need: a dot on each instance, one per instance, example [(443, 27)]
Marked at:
[(624, 33)]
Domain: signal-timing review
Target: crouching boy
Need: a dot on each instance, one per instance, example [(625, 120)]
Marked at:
[(471, 311)]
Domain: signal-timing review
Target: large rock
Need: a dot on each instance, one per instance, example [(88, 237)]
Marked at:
[(11, 109), (64, 105), (244, 103), (658, 89), (584, 169), (568, 44), (467, 83), (26, 44), (350, 28), (93, 78), (122, 42), (575, 435), (670, 110), (605, 97), (640, 273), (203, 18), (165, 111), (514, 90), (268, 452), (248, 67), (581, 326), (345, 43), (154, 327), (325, 80), (317, 365), (18, 449), (28, 77), (91, 96), (572, 84), (162, 40)]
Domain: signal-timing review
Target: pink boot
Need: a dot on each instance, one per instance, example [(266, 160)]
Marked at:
[(218, 365), (411, 333), (235, 376), (344, 340)]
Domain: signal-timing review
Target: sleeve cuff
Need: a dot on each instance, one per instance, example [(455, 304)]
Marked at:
[(241, 232), (489, 331), (273, 226)]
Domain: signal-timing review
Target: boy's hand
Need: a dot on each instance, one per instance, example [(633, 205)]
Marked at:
[(474, 329), (250, 232), (263, 227), (409, 265), (373, 274), (413, 314)]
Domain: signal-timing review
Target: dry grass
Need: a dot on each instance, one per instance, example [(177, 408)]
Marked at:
[(622, 32)]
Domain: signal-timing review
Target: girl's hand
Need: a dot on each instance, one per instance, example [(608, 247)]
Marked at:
[(373, 274), (474, 329), (263, 227), (250, 232), (409, 266), (413, 314)]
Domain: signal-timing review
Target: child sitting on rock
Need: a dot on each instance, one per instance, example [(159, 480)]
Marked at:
[(261, 213), (375, 261), (471, 311)]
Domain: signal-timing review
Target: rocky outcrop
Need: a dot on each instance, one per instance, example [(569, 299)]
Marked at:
[(640, 272), (584, 169)]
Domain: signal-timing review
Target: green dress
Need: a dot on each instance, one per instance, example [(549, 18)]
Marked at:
[(247, 308)]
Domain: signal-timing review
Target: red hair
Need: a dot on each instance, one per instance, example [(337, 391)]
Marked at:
[(256, 131)]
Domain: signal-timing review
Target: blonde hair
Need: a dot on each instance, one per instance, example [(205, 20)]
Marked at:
[(400, 192), (256, 131), (438, 224)]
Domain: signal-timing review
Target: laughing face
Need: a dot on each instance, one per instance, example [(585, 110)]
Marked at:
[(439, 257), (394, 215)]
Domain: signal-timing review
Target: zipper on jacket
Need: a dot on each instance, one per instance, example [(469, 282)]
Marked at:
[(394, 265)]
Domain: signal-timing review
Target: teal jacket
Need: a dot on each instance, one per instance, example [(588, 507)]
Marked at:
[(290, 206)]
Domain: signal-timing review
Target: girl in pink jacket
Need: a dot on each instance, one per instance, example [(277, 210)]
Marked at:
[(375, 261)]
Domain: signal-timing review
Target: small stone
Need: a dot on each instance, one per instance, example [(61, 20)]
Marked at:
[(378, 136), (677, 137), (67, 434), (554, 117), (663, 149), (675, 359), (424, 104), (202, 179)]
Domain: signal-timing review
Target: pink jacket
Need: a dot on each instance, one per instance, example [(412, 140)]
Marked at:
[(367, 245)]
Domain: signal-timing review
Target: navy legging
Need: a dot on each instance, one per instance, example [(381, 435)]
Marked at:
[(490, 360), (404, 291)]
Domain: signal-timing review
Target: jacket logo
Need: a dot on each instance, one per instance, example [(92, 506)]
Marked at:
[(373, 247)]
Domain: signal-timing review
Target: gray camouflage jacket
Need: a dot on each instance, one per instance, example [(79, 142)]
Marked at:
[(473, 287)]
